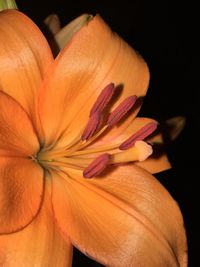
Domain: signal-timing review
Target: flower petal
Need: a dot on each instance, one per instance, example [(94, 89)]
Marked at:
[(24, 58), (21, 191), (125, 218), (155, 164), (39, 244), (92, 59), (17, 136)]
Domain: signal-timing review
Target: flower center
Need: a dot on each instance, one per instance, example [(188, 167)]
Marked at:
[(93, 160)]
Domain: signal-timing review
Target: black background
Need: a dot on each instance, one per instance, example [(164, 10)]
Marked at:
[(165, 33)]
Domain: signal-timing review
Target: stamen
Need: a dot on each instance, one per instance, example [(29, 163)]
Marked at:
[(92, 126), (97, 166), (121, 110), (140, 135), (103, 99)]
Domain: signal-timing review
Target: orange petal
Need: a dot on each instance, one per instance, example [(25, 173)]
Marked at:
[(155, 164), (39, 244), (17, 136), (21, 190), (125, 218), (93, 58), (24, 56)]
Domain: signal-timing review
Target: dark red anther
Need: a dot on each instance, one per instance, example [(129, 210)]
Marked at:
[(97, 166), (121, 110), (139, 135), (103, 99), (92, 126)]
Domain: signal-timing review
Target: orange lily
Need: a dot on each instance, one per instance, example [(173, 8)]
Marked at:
[(49, 152)]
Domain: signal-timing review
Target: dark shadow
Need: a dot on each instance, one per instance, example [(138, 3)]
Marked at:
[(158, 150), (51, 40), (79, 259)]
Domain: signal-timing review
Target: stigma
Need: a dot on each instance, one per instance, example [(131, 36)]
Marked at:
[(94, 160)]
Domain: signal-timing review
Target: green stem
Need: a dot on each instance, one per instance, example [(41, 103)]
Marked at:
[(7, 4)]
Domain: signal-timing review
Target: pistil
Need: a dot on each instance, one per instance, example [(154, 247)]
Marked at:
[(139, 152)]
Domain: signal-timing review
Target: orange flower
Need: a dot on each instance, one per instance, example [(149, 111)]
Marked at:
[(55, 136)]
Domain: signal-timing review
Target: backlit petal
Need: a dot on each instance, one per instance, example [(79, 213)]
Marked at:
[(24, 58), (175, 126), (92, 59), (52, 23), (51, 26), (125, 218), (63, 36), (17, 136), (38, 245), (21, 193)]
